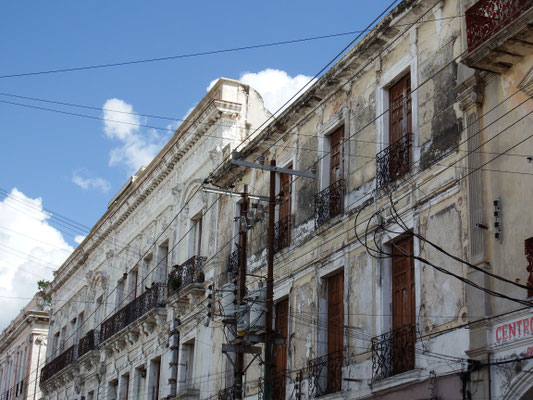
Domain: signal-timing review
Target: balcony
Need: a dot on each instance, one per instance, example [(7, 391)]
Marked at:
[(68, 357), (87, 343), (393, 162), (152, 298), (393, 352), (188, 273), (282, 233), (325, 374), (227, 394), (329, 203), (498, 33)]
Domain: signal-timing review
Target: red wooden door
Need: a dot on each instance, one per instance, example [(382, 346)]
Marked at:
[(335, 332), (279, 380), (403, 305)]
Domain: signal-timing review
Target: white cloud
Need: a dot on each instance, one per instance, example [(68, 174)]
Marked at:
[(79, 238), (30, 249), (91, 183), (275, 86), (137, 147)]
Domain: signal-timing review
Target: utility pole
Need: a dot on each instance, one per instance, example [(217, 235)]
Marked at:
[(270, 259)]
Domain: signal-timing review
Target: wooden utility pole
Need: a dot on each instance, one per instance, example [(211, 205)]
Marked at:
[(267, 392), (270, 284)]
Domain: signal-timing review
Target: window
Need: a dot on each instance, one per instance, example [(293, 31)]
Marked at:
[(112, 389), (140, 381), (395, 160), (119, 297), (330, 201), (282, 228), (186, 366), (153, 380), (393, 352), (56, 344), (124, 387), (147, 272), (195, 236), (280, 350), (335, 355), (133, 283), (162, 262), (79, 327)]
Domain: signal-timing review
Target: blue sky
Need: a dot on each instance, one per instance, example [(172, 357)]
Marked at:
[(43, 154)]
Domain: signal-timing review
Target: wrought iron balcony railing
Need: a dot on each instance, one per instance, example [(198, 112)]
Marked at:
[(282, 233), (191, 271), (234, 258), (393, 352), (329, 202), (150, 299), (227, 393), (487, 17), (68, 357), (87, 343), (393, 162), (325, 374)]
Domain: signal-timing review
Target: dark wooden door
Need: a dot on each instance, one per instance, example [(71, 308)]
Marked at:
[(335, 140), (284, 228), (335, 332), (279, 380), (403, 305), (400, 125)]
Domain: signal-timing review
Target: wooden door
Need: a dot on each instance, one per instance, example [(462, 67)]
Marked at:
[(284, 227), (403, 305), (281, 325), (400, 124), (335, 332), (335, 141)]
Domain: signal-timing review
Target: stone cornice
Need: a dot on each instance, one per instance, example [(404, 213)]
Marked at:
[(189, 133), (16, 331)]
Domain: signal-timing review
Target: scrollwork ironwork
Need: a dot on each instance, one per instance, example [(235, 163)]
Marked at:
[(393, 162), (191, 271), (393, 352), (487, 17), (329, 202)]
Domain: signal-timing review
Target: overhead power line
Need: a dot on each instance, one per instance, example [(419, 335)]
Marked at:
[(198, 54)]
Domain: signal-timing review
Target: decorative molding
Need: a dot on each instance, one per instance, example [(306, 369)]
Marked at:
[(470, 93)]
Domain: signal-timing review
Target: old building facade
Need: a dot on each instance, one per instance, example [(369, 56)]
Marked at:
[(131, 298), (400, 247), (22, 352), (393, 276)]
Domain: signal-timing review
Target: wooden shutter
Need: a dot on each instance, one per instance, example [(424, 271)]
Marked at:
[(335, 141), (400, 119), (280, 351), (335, 331), (285, 194), (403, 305)]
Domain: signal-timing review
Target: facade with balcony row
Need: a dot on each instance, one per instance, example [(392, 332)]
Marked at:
[(382, 272), (129, 313), (388, 263)]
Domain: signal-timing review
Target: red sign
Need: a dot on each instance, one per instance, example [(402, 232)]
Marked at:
[(514, 330)]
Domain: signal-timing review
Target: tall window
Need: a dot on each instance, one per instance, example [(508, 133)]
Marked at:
[(153, 382), (195, 237), (335, 332), (280, 350), (400, 127), (119, 297), (133, 283), (283, 226), (403, 306), (330, 201), (162, 262)]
